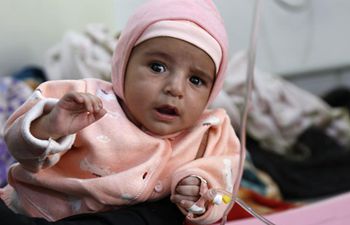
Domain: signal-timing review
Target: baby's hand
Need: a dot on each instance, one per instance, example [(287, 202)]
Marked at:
[(73, 112), (187, 192)]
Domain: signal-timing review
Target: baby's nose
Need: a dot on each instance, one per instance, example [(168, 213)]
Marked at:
[(175, 86)]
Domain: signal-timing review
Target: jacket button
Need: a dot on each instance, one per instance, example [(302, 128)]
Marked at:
[(158, 187)]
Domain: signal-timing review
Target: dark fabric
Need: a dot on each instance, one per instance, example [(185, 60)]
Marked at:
[(162, 212), (338, 97), (323, 171)]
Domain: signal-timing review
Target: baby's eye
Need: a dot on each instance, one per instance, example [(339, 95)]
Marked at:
[(157, 67), (196, 80)]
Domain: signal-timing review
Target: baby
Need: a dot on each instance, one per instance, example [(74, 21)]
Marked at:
[(90, 145)]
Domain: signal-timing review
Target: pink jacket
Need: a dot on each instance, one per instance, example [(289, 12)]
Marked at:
[(111, 162)]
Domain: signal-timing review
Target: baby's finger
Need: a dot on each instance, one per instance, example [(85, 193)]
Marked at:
[(178, 198), (100, 113), (88, 102), (192, 207), (73, 97), (77, 97), (186, 204), (191, 180), (189, 190), (96, 103), (93, 103)]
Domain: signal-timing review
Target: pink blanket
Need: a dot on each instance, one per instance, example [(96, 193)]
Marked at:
[(331, 211)]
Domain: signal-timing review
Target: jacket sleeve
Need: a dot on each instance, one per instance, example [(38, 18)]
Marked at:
[(32, 153), (218, 167)]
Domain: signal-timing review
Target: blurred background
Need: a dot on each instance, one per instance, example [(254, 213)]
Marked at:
[(305, 41)]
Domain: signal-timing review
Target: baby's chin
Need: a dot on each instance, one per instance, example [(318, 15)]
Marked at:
[(163, 133)]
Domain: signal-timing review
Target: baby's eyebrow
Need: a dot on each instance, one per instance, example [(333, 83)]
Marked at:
[(206, 75), (159, 54)]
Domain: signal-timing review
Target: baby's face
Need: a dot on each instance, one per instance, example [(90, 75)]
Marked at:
[(167, 84)]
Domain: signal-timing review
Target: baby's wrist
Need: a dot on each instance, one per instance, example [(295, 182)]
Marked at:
[(42, 129)]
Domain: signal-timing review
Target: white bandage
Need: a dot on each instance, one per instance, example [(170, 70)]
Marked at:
[(217, 199), (195, 209)]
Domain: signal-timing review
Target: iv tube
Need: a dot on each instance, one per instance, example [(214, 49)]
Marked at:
[(249, 84)]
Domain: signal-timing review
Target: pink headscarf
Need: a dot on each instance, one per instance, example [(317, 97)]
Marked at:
[(200, 12)]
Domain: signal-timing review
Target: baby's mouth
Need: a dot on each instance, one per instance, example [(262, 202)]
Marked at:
[(168, 110)]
